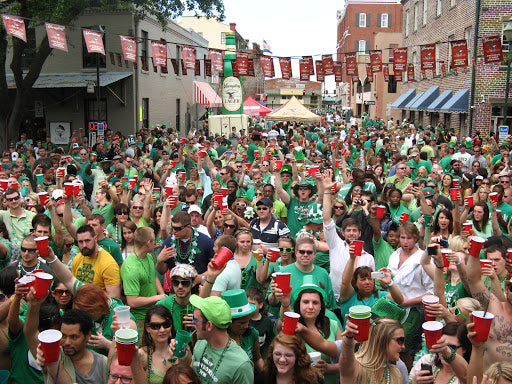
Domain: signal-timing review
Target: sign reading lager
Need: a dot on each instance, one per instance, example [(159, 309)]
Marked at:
[(232, 94)]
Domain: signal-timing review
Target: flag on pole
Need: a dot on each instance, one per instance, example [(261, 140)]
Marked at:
[(266, 47)]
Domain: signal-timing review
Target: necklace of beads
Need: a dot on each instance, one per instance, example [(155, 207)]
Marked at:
[(220, 358), (22, 270)]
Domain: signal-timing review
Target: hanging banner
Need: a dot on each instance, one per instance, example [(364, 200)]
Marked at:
[(398, 76), (189, 56), (93, 41), (428, 57), (385, 69), (216, 58), (266, 65), (338, 72), (376, 61), (410, 72), (369, 72), (234, 68), (399, 60), (304, 69), (459, 54), (251, 68), (320, 76), (328, 65), (15, 26), (286, 67), (129, 47), (493, 52), (443, 69), (208, 68), (242, 63), (355, 75), (159, 49), (311, 64), (56, 36), (198, 67), (351, 62)]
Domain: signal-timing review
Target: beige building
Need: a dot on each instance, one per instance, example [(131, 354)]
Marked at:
[(280, 91), (213, 31)]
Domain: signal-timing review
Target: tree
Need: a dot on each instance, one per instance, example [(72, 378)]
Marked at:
[(65, 12)]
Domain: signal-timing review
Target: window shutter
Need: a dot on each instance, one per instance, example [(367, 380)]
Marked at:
[(379, 20), (367, 47), (357, 46), (368, 20), (357, 19), (389, 19)]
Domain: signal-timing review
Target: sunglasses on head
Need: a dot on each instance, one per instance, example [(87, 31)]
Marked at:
[(240, 204), (305, 251), (286, 249), (157, 326), (184, 283)]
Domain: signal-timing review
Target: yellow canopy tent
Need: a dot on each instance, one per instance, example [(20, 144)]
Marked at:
[(293, 110)]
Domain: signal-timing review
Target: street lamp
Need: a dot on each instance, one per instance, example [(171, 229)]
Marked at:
[(507, 31)]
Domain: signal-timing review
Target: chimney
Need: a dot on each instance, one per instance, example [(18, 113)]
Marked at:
[(232, 26)]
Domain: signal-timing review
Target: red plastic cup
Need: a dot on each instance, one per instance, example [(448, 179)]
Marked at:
[(482, 325), (428, 300), (61, 172), (454, 193), (273, 254), (168, 191), (89, 149), (494, 197), (224, 191), (444, 253), (283, 282), (172, 164), (173, 201), (183, 176), (125, 352), (52, 171), (42, 283), (42, 245), (3, 184), (469, 201), (509, 254), (381, 210), (404, 217), (15, 185), (132, 183), (76, 189), (476, 246), (93, 157), (484, 263), (313, 171), (363, 326), (358, 247), (433, 332), (268, 154), (202, 154), (221, 258), (219, 199), (50, 344), (279, 165), (456, 183), (68, 189), (43, 198), (290, 323), (334, 188), (183, 141), (468, 226), (199, 191), (338, 163), (244, 157), (256, 153)]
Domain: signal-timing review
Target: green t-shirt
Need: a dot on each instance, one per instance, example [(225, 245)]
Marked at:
[(107, 211), (453, 293), (21, 370), (331, 378), (139, 279), (170, 303), (297, 215), (249, 275), (353, 300), (113, 248), (248, 339), (382, 251)]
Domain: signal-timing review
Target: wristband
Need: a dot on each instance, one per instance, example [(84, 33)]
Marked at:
[(259, 261), (437, 266), (391, 284), (209, 282), (349, 337), (452, 356), (53, 260)]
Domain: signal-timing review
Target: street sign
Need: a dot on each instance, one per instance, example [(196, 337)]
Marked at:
[(503, 133), (369, 102)]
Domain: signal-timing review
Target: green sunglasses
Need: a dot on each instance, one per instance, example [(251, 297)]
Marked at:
[(458, 312)]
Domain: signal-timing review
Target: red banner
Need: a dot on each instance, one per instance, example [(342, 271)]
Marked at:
[(369, 72), (311, 64), (304, 69), (385, 69), (242, 63), (338, 71), (216, 58), (189, 56), (399, 60), (376, 61), (267, 66), (328, 65), (208, 68), (398, 76), (428, 57), (459, 54), (93, 41), (15, 26), (129, 47), (251, 68), (410, 72), (355, 75), (320, 76), (493, 52), (286, 67), (56, 36), (351, 62), (443, 69), (159, 49)]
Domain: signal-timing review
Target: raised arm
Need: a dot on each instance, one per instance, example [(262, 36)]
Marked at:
[(61, 271), (349, 367), (327, 199), (346, 289), (67, 218), (280, 192)]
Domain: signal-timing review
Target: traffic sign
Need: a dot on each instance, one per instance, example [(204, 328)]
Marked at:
[(369, 102)]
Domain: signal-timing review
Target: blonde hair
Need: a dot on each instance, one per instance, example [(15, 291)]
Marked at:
[(500, 369), (456, 244), (470, 304)]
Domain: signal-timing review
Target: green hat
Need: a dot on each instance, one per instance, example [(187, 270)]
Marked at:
[(428, 192), (214, 309), (238, 303), (304, 183), (421, 142), (315, 214), (308, 282), (287, 168), (451, 144)]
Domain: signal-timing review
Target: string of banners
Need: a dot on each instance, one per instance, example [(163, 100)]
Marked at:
[(243, 65)]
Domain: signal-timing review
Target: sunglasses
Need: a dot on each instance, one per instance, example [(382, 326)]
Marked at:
[(399, 340), (240, 204), (259, 193), (29, 250), (137, 207), (69, 244), (157, 326), (62, 292), (339, 207), (304, 251), (458, 312), (184, 283), (303, 188), (262, 208), (123, 212), (177, 229), (286, 249), (230, 226), (13, 198), (223, 173), (454, 347)]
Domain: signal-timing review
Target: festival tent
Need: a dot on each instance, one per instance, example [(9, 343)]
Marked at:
[(293, 110), (253, 108)]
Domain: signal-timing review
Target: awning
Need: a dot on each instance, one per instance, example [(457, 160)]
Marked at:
[(205, 95), (436, 105), (253, 108), (72, 80), (459, 103), (413, 100), (403, 99), (424, 101)]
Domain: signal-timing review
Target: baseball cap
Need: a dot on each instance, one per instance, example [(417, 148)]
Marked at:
[(265, 201), (428, 192), (194, 208), (186, 271), (214, 309)]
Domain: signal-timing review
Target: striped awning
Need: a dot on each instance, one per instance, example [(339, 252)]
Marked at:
[(205, 95)]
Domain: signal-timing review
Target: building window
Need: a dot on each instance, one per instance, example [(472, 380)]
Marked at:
[(145, 112), (384, 20), (504, 44), (223, 38), (450, 38), (439, 7), (416, 7), (467, 35), (178, 58), (89, 59), (453, 3), (407, 17), (178, 113), (91, 110), (392, 84), (362, 47), (362, 20), (144, 50), (425, 9)]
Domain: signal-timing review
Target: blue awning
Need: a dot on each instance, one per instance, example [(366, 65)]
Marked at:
[(436, 105), (411, 103), (459, 103), (403, 99), (424, 101)]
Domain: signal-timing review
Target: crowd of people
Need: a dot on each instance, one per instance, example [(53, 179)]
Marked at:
[(137, 221)]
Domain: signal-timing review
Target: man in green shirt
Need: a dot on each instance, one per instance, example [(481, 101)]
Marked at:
[(399, 179), (17, 220), (103, 197)]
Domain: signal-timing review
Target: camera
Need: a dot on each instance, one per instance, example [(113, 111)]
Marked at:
[(359, 202), (416, 184), (377, 275)]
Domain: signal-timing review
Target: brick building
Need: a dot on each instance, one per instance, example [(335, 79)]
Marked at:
[(279, 91), (365, 25), (446, 99)]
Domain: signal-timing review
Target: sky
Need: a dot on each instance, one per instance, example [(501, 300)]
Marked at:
[(291, 28)]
